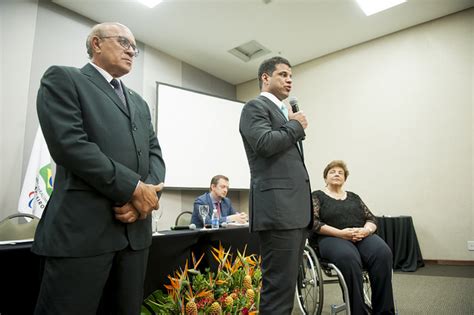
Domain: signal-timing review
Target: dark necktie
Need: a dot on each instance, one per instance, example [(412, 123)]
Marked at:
[(118, 90), (218, 207)]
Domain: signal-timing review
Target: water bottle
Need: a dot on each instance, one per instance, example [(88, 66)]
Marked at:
[(214, 219)]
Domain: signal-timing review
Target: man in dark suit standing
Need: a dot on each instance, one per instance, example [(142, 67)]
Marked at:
[(216, 198), (95, 231), (280, 194)]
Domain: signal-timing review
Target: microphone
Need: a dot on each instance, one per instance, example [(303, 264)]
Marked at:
[(294, 104), (294, 107), (192, 226)]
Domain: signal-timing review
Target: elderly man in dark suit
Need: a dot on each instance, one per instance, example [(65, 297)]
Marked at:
[(96, 228), (280, 194)]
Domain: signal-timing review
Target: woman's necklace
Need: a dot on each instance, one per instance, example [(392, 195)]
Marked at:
[(336, 195)]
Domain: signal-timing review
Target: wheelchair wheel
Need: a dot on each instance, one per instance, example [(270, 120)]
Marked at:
[(309, 286), (367, 290)]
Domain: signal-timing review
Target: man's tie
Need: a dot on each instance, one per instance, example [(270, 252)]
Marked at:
[(218, 207), (284, 110), (118, 90)]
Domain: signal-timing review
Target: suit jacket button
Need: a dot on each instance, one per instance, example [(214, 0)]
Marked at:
[(134, 127), (139, 152)]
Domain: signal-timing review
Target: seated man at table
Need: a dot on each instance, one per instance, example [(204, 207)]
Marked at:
[(216, 199)]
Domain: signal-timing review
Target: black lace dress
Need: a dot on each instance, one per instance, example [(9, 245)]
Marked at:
[(341, 214)]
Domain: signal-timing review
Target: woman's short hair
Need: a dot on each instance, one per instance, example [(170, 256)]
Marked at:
[(336, 163)]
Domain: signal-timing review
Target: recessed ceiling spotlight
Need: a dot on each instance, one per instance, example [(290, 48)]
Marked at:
[(150, 3), (374, 6)]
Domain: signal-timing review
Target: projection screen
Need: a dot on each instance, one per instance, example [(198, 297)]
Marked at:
[(199, 138)]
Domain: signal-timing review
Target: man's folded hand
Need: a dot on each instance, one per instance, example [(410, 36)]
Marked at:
[(126, 213), (144, 198)]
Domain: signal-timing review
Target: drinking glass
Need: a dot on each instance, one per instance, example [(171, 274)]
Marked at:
[(203, 211), (155, 217)]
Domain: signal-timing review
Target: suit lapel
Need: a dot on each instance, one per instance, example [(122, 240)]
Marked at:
[(96, 78), (209, 202), (128, 96), (273, 108)]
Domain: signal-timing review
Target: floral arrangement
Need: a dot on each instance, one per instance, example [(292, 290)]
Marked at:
[(233, 289)]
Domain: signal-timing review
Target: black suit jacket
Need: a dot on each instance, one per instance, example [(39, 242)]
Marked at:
[(280, 193), (101, 150)]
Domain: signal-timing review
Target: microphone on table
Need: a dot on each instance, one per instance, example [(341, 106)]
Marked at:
[(192, 226), (294, 107)]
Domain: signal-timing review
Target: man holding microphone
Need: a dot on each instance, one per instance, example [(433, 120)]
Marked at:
[(280, 194)]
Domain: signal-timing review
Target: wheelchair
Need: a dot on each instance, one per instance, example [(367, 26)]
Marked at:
[(310, 284)]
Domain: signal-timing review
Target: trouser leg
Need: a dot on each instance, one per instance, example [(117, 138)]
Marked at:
[(377, 258), (345, 256), (281, 253), (72, 285), (131, 274), (110, 283), (123, 293)]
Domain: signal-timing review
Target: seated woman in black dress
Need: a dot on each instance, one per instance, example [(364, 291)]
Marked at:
[(345, 236)]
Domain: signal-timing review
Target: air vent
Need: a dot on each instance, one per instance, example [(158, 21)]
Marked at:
[(249, 51)]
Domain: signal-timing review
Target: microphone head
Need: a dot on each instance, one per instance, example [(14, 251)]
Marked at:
[(293, 101), (192, 226)]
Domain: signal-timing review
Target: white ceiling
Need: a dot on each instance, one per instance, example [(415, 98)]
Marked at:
[(200, 32)]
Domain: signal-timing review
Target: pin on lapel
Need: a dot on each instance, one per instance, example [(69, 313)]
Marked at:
[(130, 92)]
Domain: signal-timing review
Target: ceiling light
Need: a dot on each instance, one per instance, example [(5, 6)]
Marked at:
[(150, 3), (374, 6), (249, 51)]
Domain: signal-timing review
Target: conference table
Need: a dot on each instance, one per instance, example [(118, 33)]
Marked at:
[(20, 268), (400, 235)]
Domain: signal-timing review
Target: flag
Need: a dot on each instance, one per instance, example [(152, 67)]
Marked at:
[(38, 182)]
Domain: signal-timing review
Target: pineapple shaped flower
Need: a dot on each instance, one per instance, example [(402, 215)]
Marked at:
[(229, 301), (191, 308), (247, 282), (215, 309), (250, 294)]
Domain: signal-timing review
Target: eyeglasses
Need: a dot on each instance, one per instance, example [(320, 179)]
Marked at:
[(125, 43)]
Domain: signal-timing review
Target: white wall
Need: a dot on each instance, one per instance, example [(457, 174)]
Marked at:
[(399, 111), (17, 30), (39, 34), (472, 130), (2, 122)]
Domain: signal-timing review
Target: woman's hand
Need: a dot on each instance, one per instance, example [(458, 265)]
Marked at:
[(350, 234), (358, 234), (347, 234)]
